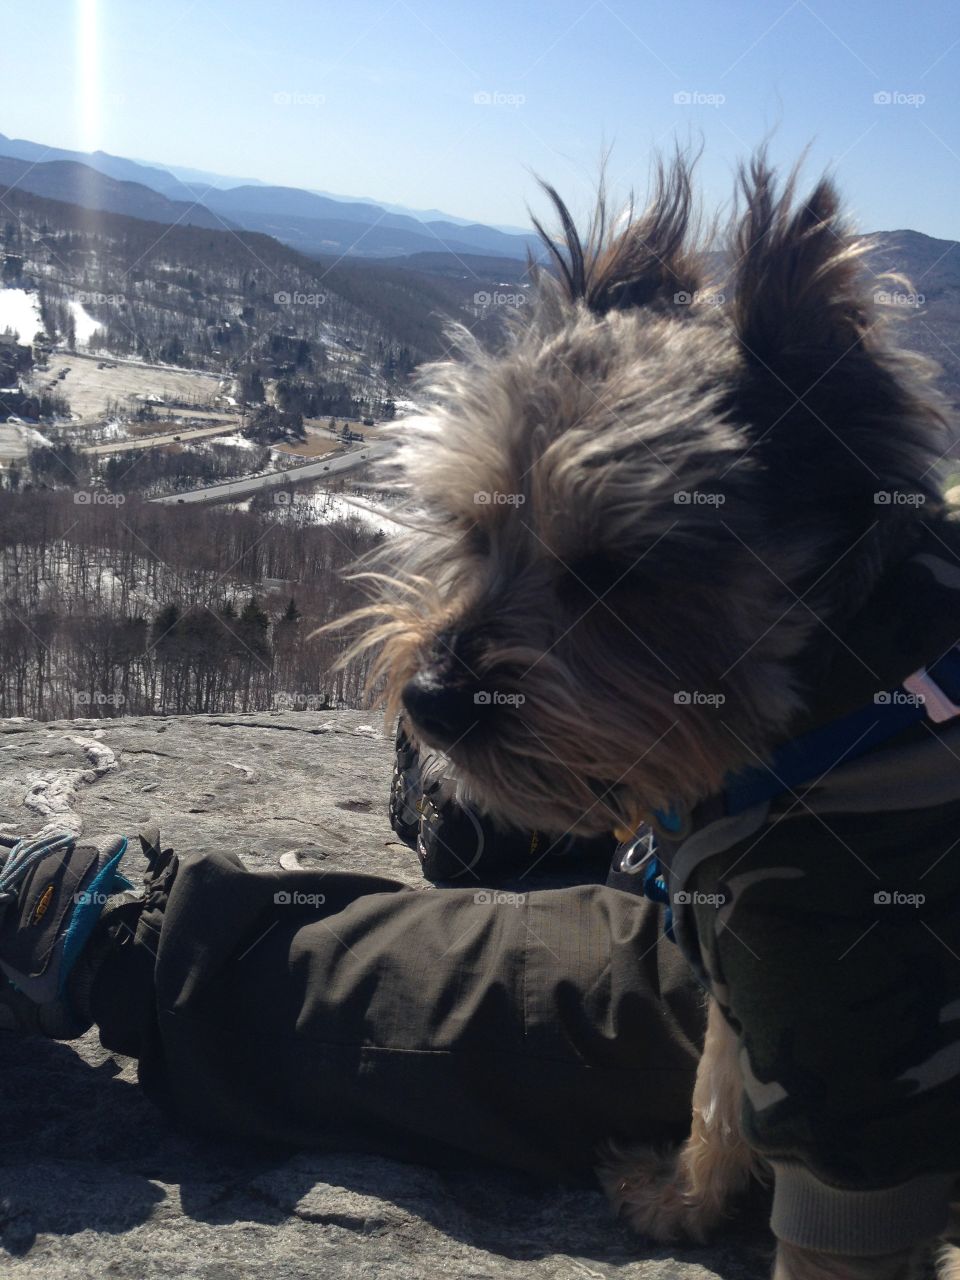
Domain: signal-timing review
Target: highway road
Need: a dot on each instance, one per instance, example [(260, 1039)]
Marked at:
[(332, 465), (179, 434)]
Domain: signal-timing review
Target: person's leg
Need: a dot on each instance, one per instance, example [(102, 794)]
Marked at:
[(317, 1008), (325, 1009)]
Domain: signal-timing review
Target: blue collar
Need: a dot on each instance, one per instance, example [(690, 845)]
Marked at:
[(931, 695)]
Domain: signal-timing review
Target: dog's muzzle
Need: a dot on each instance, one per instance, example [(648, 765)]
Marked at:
[(443, 711), (444, 699)]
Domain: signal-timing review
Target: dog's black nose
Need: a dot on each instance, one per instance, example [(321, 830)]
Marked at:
[(442, 710)]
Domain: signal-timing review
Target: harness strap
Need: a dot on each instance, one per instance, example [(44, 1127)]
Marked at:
[(932, 694)]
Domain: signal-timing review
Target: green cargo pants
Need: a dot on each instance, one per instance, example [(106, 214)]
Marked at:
[(326, 1009)]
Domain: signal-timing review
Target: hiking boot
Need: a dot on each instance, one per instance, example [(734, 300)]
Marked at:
[(406, 789), (53, 892)]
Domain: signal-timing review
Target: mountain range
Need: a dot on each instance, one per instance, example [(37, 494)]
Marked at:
[(310, 221), (428, 268)]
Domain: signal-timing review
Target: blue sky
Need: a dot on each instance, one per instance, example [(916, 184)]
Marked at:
[(435, 103)]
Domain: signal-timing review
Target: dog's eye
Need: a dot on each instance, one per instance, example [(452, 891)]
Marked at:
[(477, 540), (598, 573)]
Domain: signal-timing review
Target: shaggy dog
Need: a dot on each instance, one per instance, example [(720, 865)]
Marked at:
[(655, 503)]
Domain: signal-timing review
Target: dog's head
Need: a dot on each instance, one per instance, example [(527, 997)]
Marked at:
[(634, 518)]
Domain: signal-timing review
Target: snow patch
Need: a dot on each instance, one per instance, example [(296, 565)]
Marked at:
[(20, 311), (84, 324), (236, 442), (16, 440), (331, 508)]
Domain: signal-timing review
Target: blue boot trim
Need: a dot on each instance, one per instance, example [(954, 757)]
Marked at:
[(90, 904)]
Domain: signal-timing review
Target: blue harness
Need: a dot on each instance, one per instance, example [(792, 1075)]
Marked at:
[(932, 695)]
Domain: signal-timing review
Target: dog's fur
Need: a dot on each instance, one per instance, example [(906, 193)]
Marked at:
[(583, 595)]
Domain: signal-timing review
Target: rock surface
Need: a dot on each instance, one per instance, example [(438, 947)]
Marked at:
[(94, 1183)]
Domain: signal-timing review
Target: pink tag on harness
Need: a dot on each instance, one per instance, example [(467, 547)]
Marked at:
[(931, 697)]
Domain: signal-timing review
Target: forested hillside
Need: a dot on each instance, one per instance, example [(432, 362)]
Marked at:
[(130, 608)]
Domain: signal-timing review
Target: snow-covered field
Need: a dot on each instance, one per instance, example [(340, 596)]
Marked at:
[(90, 389), (16, 441), (328, 508), (20, 312)]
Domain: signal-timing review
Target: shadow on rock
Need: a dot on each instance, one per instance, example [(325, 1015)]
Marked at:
[(81, 1148)]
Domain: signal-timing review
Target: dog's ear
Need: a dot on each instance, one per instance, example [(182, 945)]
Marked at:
[(645, 263), (798, 291)]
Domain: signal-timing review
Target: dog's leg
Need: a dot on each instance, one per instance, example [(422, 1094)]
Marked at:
[(794, 1263), (684, 1194), (948, 1263)]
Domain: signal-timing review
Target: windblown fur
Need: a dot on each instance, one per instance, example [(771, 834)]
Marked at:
[(638, 525)]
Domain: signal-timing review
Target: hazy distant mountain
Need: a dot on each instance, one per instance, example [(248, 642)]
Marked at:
[(80, 184), (421, 215), (113, 166), (931, 305), (314, 223), (198, 180), (319, 224)]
